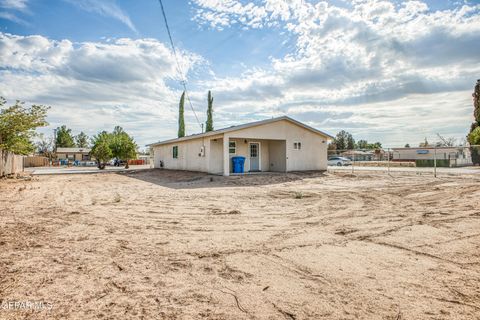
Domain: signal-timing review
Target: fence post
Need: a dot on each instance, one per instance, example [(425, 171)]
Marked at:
[(353, 162), (388, 159), (435, 161)]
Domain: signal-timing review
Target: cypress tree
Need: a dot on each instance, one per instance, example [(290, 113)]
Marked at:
[(476, 103), (181, 119), (209, 124), (475, 125)]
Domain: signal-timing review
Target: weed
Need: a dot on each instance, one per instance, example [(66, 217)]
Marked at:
[(298, 195)]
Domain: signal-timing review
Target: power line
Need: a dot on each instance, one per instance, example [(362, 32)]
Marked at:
[(179, 67)]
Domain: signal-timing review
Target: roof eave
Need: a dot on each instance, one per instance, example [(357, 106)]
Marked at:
[(240, 127)]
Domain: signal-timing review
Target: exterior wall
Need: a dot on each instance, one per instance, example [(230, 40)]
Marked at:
[(188, 155), (441, 153), (312, 155), (243, 149), (215, 156), (276, 147), (278, 156), (73, 156)]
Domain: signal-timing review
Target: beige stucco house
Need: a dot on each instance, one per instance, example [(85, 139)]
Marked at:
[(280, 144), (73, 154)]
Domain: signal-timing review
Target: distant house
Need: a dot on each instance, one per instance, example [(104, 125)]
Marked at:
[(73, 154), (365, 155), (458, 156), (280, 144)]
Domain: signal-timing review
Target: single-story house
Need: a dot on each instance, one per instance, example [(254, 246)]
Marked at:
[(365, 155), (73, 154), (279, 144)]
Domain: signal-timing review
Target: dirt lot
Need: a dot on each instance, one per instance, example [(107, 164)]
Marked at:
[(164, 244)]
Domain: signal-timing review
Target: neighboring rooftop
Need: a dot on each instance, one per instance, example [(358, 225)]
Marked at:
[(239, 127), (73, 150)]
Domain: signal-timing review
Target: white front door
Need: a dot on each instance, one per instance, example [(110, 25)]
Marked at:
[(254, 156)]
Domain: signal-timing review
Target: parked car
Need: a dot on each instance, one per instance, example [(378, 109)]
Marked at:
[(339, 161), (117, 162)]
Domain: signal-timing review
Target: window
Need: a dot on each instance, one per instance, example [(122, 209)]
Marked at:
[(175, 152), (254, 150), (232, 147), (297, 145)]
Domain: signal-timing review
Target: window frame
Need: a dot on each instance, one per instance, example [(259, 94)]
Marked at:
[(175, 152), (297, 145), (234, 147)]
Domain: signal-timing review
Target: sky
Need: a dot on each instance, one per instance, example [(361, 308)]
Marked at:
[(388, 71)]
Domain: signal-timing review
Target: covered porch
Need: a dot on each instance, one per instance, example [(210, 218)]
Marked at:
[(261, 155)]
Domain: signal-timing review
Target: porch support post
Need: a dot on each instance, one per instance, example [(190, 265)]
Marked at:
[(226, 158)]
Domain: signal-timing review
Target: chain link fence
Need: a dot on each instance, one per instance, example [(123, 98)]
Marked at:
[(430, 159)]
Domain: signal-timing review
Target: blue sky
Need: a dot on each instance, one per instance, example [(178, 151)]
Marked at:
[(389, 71)]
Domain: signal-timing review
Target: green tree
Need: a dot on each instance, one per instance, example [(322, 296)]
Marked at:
[(362, 144), (472, 136), (181, 119), (407, 145), (476, 102), (332, 146), (340, 140), (344, 140), (81, 140), (101, 148), (18, 124), (209, 123), (122, 145), (64, 138), (350, 142)]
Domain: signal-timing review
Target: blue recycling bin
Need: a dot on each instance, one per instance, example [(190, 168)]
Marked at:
[(238, 164)]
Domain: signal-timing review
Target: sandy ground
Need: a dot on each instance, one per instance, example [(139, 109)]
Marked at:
[(176, 245)]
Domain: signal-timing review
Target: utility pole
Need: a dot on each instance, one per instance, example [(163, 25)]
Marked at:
[(55, 138)]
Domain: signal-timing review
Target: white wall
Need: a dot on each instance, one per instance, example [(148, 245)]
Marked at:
[(312, 155), (278, 158), (215, 156), (188, 156), (313, 152), (243, 149), (441, 153)]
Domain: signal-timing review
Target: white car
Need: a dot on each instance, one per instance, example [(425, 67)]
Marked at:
[(339, 161)]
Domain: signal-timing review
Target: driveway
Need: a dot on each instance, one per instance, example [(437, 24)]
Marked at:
[(82, 170)]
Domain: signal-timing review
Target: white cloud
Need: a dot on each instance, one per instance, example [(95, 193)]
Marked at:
[(388, 71), (363, 55), (107, 8), (12, 17), (11, 6), (20, 5), (94, 86)]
